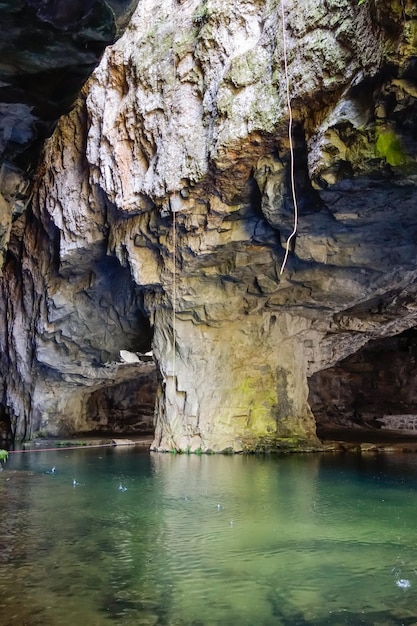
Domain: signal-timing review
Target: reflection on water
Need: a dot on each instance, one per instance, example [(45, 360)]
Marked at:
[(125, 537)]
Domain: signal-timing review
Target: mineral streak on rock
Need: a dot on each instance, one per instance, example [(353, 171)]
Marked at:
[(186, 113)]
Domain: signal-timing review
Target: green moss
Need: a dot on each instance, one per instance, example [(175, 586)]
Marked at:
[(275, 444), (184, 44), (245, 69), (389, 147)]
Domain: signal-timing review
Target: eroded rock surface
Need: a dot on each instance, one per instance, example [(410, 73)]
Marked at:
[(48, 48), (174, 171)]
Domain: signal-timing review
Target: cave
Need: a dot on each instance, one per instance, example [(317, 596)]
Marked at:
[(112, 388), (157, 214), (126, 408), (89, 356), (208, 244), (370, 395)]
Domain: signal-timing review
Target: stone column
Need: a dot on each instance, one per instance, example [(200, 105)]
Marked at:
[(240, 385)]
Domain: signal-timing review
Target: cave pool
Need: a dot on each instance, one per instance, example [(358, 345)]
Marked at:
[(95, 537)]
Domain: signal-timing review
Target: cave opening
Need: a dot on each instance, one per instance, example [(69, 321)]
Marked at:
[(122, 405), (370, 395), (125, 408), (97, 376)]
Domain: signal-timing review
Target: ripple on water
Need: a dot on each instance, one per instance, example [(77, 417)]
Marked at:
[(211, 541)]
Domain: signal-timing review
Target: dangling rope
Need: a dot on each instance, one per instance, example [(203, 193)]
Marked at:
[(174, 288), (292, 176), (174, 279)]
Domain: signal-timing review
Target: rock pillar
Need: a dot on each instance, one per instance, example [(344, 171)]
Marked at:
[(239, 385)]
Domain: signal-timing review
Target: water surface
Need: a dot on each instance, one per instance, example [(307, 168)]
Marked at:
[(116, 536)]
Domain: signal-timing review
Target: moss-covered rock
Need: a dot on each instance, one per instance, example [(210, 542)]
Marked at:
[(282, 445)]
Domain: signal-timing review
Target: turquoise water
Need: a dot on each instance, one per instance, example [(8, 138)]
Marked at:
[(157, 539)]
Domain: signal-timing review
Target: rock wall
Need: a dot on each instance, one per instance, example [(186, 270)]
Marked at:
[(48, 48), (162, 207)]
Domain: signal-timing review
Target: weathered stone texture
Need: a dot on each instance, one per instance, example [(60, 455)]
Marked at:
[(48, 48), (186, 117)]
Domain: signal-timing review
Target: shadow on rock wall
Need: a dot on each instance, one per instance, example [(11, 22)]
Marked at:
[(369, 390)]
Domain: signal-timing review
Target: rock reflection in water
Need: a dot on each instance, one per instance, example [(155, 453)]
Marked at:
[(308, 540)]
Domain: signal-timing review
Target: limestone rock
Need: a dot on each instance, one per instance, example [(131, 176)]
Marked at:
[(48, 48), (163, 204)]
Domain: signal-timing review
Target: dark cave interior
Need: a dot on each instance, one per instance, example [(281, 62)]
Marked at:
[(371, 393)]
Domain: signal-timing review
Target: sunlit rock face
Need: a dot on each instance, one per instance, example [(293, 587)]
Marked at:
[(174, 169)]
